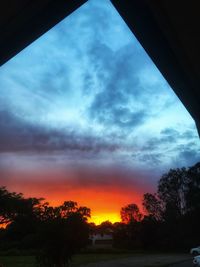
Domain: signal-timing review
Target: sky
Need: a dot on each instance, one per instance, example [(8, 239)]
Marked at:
[(85, 115)]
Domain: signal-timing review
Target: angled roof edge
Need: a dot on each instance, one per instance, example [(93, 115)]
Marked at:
[(22, 22), (159, 27)]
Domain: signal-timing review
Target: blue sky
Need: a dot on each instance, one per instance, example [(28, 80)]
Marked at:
[(86, 94)]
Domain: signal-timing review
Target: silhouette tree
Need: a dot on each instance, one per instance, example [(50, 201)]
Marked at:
[(63, 231), (130, 213), (105, 227), (120, 235), (17, 214), (131, 217), (55, 232), (11, 205), (193, 192), (149, 232), (153, 206), (172, 190)]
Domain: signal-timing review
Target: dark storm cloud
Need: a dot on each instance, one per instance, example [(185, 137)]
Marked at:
[(189, 135), (155, 143), (169, 136), (180, 149), (188, 154), (112, 176), (119, 84), (173, 135), (17, 135), (149, 157), (151, 144)]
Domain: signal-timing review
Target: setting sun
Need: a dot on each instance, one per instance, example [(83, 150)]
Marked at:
[(99, 218)]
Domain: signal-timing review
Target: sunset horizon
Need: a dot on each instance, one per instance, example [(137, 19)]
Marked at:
[(104, 201)]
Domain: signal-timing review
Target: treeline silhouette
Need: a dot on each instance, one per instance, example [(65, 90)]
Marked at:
[(171, 216), (53, 234), (169, 221)]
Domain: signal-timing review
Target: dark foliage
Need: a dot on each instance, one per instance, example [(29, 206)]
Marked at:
[(54, 233), (130, 214), (172, 215)]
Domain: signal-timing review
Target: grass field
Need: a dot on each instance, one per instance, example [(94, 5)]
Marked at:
[(26, 261), (87, 258), (17, 261), (82, 259)]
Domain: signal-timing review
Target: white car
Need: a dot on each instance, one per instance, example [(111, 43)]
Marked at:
[(195, 251), (196, 261)]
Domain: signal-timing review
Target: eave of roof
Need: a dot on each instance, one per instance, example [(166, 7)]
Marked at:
[(169, 32), (22, 22)]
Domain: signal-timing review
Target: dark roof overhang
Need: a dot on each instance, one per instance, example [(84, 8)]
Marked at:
[(169, 32), (23, 21)]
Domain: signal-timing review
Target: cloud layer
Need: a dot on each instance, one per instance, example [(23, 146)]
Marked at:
[(86, 97)]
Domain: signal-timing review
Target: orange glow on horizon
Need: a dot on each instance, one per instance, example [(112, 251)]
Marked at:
[(98, 218), (104, 205), (104, 200)]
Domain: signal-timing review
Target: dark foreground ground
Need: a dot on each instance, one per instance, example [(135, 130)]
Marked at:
[(111, 260), (183, 264), (145, 260)]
